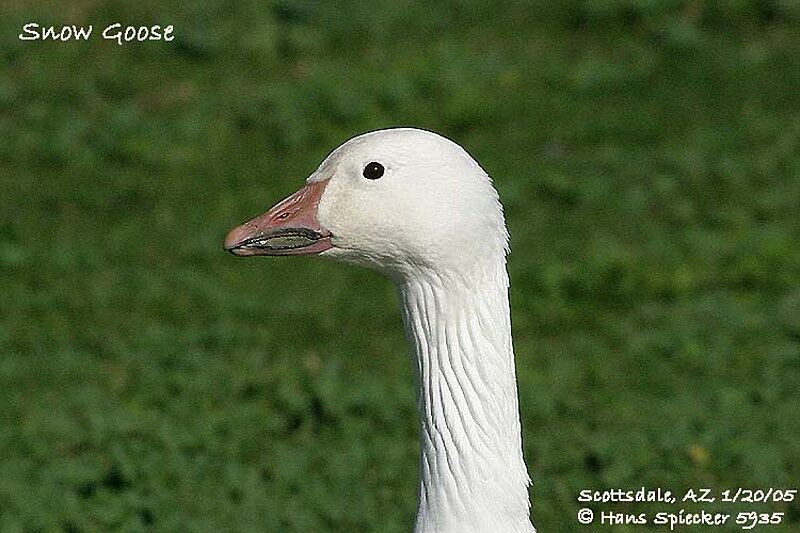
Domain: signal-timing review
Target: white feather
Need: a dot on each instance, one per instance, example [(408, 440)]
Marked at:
[(434, 224)]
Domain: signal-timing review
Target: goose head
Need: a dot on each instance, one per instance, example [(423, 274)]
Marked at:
[(402, 201)]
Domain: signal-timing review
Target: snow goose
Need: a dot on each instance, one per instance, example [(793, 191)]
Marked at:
[(416, 207)]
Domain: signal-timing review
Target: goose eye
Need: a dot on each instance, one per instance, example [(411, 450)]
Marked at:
[(373, 171)]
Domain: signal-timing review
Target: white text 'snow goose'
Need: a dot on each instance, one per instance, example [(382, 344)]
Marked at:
[(416, 207)]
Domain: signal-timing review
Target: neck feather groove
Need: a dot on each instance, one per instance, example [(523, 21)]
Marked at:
[(472, 474)]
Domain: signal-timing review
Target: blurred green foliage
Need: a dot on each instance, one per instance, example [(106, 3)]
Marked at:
[(647, 152)]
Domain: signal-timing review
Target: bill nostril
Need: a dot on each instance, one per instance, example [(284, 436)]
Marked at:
[(283, 215)]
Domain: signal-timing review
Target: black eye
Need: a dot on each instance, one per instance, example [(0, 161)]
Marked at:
[(373, 171)]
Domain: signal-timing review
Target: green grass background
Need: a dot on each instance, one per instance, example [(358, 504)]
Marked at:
[(647, 153)]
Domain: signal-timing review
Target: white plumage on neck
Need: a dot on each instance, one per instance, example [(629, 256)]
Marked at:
[(472, 474)]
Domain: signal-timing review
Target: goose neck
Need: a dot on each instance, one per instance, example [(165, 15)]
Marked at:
[(472, 473)]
